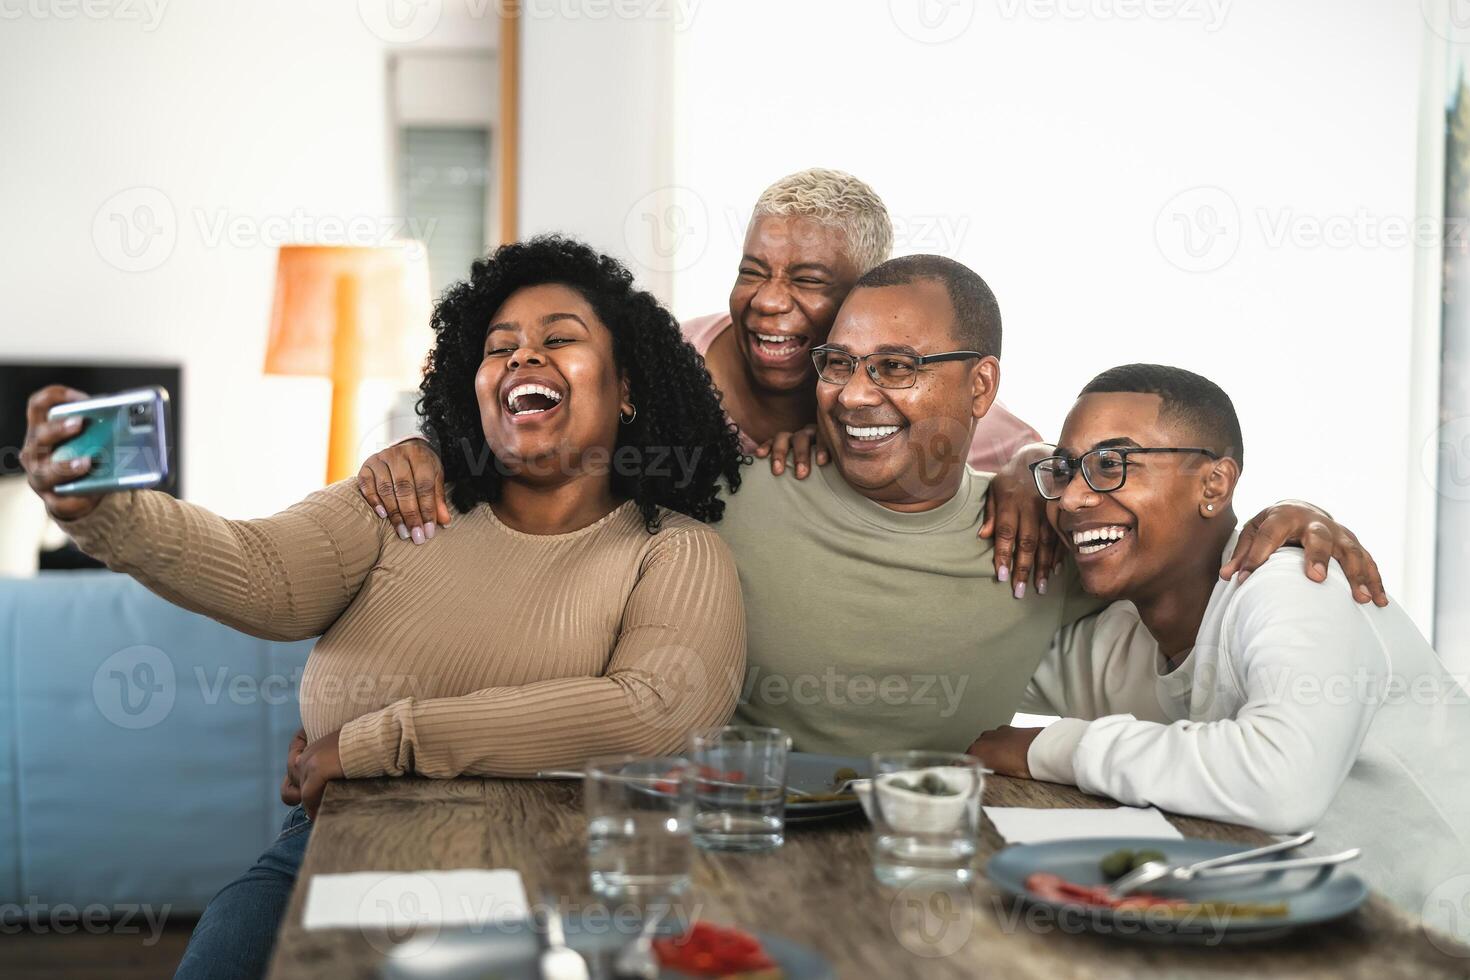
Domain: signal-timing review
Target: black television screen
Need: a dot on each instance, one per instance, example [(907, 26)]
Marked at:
[(19, 380)]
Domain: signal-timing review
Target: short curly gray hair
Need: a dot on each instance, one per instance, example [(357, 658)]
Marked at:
[(838, 199)]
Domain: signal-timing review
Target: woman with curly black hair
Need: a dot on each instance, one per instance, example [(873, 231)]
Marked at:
[(576, 608), (673, 443)]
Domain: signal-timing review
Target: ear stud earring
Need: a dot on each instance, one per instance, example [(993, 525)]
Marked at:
[(1209, 506)]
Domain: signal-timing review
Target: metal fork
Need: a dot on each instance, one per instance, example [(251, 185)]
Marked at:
[(1152, 871), (559, 961)]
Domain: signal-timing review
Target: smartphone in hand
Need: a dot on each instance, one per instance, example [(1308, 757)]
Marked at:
[(124, 434)]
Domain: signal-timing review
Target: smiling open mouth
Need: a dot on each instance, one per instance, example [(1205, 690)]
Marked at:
[(1098, 539), (869, 433), (531, 399), (778, 346)]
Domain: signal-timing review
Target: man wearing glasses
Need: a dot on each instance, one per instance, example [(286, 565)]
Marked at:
[(1276, 702)]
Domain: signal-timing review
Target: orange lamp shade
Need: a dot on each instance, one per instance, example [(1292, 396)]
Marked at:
[(350, 314), (390, 314)]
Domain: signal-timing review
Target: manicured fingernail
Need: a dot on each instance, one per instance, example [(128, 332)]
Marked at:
[(1041, 586), (78, 464), (402, 532), (382, 511), (418, 535), (429, 530), (72, 424), (1020, 590), (1003, 574), (1319, 568), (1242, 577)]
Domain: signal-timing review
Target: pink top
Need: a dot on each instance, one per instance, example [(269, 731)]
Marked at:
[(997, 437)]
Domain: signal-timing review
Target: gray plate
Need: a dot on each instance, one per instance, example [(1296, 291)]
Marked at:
[(509, 951), (1311, 895), (813, 773)]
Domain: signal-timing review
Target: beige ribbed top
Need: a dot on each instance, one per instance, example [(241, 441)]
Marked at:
[(486, 652)]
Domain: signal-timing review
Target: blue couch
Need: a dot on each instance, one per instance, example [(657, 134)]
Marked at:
[(141, 746)]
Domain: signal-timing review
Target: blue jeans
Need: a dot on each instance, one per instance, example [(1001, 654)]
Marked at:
[(236, 933)]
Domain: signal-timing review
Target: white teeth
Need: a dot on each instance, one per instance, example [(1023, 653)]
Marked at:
[(530, 389), (1095, 539), (870, 431), (777, 344)]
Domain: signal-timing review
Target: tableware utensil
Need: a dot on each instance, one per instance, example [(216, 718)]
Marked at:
[(1262, 867), (740, 788), (925, 809), (640, 818), (1300, 898), (558, 960), (636, 961), (1152, 871)]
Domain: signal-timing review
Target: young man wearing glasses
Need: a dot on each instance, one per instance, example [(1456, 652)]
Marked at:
[(1274, 702)]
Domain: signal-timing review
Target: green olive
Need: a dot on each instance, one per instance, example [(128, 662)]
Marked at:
[(1117, 864), (1143, 857)]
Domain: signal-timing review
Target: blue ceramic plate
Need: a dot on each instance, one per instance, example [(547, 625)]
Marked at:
[(813, 773), (510, 951), (1310, 895)]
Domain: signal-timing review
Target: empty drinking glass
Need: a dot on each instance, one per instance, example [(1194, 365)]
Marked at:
[(740, 789), (640, 813), (926, 816)]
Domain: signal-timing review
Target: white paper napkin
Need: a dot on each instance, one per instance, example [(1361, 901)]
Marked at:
[(1024, 825), (400, 899)]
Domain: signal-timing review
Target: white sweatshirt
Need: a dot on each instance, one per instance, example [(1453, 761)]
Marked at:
[(1297, 708)]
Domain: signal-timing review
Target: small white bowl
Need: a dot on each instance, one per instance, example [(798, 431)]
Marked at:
[(908, 811)]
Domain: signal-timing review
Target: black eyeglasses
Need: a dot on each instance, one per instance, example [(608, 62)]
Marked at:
[(1105, 470), (886, 369)]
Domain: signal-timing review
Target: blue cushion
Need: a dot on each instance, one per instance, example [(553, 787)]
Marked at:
[(145, 744)]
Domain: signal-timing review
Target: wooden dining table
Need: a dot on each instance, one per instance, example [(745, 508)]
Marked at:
[(818, 889)]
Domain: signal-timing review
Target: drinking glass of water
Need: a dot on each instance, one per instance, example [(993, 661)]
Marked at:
[(640, 814), (740, 788), (926, 816)]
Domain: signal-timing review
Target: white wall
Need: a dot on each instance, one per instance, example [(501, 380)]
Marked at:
[(597, 103), (246, 125), (1047, 151)]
